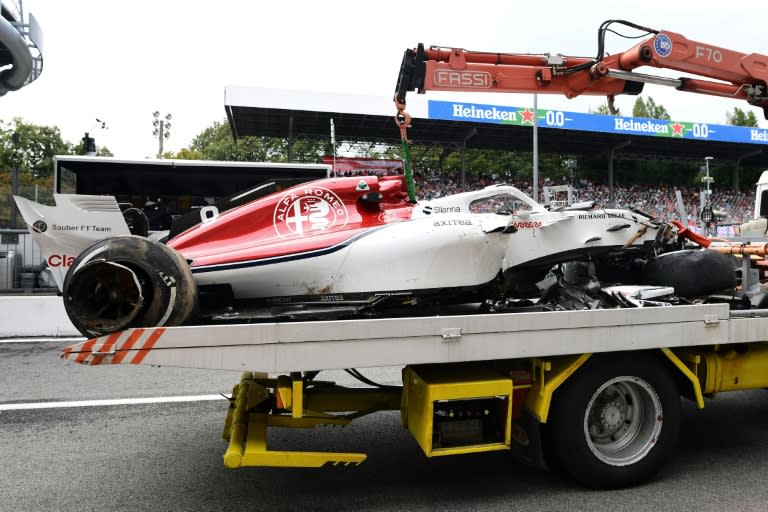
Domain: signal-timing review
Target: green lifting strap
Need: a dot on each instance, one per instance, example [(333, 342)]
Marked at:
[(406, 152)]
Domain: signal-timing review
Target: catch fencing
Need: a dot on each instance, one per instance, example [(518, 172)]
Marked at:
[(22, 266)]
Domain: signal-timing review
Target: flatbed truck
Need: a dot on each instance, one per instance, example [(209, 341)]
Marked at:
[(594, 394)]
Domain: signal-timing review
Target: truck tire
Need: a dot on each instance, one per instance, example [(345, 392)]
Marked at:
[(128, 281), (614, 423)]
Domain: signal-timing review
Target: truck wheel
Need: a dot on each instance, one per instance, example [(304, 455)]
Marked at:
[(614, 423), (128, 281)]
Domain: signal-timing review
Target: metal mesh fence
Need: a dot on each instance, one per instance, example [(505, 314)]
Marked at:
[(22, 266)]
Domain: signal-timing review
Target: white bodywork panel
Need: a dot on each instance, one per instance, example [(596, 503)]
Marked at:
[(429, 255), (67, 229), (540, 232)]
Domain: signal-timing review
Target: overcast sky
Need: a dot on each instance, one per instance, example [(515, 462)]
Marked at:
[(120, 61)]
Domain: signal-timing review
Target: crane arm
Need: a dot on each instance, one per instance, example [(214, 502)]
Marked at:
[(724, 72)]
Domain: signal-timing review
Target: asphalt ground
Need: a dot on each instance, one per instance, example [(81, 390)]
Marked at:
[(58, 453)]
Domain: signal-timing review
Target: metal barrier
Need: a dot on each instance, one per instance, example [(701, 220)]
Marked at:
[(22, 266)]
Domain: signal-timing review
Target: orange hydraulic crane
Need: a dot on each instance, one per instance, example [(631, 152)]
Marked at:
[(725, 72)]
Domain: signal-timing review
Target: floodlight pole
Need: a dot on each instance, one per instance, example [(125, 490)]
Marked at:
[(162, 130), (15, 138), (706, 213), (333, 143), (708, 179)]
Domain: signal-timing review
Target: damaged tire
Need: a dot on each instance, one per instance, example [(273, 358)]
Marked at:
[(692, 273), (129, 281)]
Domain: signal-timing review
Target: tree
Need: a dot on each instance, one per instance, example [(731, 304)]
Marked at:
[(36, 149), (32, 155), (649, 109), (741, 118), (216, 143), (187, 154)]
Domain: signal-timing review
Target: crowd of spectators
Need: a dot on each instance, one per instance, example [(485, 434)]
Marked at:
[(659, 201), (732, 206)]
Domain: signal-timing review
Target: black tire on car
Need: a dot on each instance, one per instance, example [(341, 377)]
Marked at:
[(129, 281), (692, 273), (614, 423)]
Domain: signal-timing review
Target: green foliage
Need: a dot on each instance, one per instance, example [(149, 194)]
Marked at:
[(36, 149), (33, 158), (649, 109), (216, 143), (740, 118), (186, 154)]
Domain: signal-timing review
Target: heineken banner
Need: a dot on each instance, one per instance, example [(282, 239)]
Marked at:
[(620, 125)]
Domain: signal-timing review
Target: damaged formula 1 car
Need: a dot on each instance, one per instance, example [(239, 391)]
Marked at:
[(356, 246)]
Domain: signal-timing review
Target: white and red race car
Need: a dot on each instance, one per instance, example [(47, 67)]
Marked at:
[(353, 246)]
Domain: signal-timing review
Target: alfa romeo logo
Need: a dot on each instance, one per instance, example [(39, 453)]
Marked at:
[(39, 226), (309, 210)]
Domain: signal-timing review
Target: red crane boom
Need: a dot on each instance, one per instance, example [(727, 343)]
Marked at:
[(724, 72)]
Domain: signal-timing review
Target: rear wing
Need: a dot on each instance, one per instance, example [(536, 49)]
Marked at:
[(67, 229)]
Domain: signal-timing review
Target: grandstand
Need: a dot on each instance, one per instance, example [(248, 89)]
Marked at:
[(659, 201), (298, 115)]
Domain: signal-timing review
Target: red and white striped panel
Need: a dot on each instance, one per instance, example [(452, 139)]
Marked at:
[(123, 347)]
